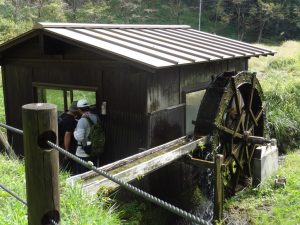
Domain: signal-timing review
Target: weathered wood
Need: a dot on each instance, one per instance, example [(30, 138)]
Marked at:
[(41, 163), (201, 163), (219, 190), (140, 167), (119, 163), (64, 86)]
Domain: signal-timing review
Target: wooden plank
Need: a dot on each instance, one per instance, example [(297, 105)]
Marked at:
[(64, 86), (140, 168)]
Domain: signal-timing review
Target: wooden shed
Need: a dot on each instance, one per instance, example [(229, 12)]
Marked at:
[(149, 79)]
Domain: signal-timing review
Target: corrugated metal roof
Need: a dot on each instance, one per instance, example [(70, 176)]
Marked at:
[(156, 46)]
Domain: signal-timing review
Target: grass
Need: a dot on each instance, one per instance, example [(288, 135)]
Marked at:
[(270, 205), (76, 208), (280, 80)]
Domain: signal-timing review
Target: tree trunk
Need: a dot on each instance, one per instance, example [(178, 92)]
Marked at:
[(261, 28)]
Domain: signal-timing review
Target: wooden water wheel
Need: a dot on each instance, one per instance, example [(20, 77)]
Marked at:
[(231, 112)]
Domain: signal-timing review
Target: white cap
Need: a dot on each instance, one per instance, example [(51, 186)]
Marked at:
[(82, 103)]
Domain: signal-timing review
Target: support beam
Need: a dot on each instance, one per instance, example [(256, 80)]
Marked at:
[(201, 163), (219, 189)]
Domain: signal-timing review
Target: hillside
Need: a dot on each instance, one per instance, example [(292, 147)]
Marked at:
[(249, 20)]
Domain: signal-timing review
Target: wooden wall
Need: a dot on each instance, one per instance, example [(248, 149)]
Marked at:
[(165, 95), (16, 80), (122, 86)]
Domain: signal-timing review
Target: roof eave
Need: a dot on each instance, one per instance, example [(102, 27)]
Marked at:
[(19, 39)]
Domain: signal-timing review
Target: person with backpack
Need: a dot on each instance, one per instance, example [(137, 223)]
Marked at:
[(66, 126), (89, 136)]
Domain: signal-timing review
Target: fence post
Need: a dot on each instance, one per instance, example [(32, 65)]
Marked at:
[(219, 190), (41, 163)]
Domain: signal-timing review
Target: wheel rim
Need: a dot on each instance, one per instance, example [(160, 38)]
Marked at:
[(238, 115)]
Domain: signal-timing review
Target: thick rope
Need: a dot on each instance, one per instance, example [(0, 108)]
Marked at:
[(131, 188), (127, 186), (13, 129)]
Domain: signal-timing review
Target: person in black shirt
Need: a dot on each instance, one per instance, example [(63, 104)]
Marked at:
[(66, 126)]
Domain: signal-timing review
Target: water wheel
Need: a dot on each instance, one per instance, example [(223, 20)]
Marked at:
[(231, 113)]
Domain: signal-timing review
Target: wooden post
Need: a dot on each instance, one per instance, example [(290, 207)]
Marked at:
[(41, 163), (219, 189)]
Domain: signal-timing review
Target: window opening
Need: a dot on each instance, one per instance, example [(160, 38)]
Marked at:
[(192, 101), (62, 97)]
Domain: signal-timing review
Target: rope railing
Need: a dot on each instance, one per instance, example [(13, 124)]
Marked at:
[(123, 184), (13, 194), (131, 188), (21, 200), (10, 128)]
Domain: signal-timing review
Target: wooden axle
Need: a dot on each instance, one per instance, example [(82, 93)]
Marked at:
[(257, 140)]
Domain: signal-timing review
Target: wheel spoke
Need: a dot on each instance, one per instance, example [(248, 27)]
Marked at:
[(252, 152), (257, 117), (237, 161), (259, 114), (253, 117), (251, 93), (247, 120), (238, 125), (229, 131)]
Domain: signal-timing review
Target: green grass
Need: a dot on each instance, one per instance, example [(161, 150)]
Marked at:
[(270, 205), (280, 80), (76, 208)]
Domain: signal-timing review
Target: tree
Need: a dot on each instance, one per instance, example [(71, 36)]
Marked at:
[(265, 12), (91, 12)]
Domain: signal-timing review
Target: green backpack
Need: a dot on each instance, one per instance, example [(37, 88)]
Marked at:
[(96, 137)]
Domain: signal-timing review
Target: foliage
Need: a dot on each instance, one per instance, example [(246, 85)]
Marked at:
[(76, 208), (267, 204), (250, 20), (280, 79)]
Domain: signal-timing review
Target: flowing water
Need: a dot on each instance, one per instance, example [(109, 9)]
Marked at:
[(204, 209)]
